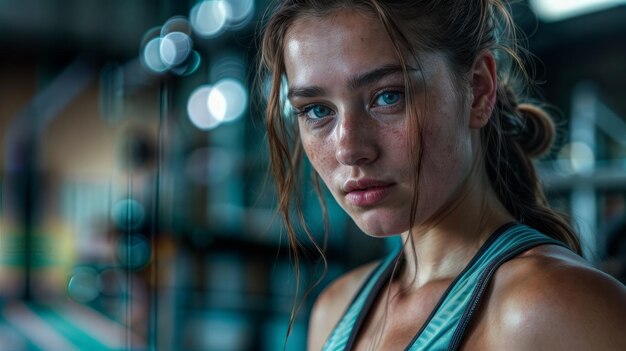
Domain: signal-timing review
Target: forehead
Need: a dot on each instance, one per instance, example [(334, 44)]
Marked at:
[(342, 43)]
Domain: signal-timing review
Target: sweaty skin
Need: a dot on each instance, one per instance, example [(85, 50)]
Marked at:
[(350, 103), (361, 140)]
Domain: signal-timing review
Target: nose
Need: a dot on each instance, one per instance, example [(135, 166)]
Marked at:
[(355, 140)]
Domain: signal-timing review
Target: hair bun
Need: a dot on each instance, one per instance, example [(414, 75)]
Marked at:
[(538, 130)]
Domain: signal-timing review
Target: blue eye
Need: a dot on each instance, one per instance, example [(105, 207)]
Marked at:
[(387, 98), (316, 111)]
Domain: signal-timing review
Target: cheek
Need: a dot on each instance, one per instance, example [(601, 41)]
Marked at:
[(447, 154), (399, 137), (448, 134), (396, 139), (321, 155)]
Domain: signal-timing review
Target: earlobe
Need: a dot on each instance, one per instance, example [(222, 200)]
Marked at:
[(484, 85)]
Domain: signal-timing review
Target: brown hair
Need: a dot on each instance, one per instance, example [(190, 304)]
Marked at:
[(462, 30)]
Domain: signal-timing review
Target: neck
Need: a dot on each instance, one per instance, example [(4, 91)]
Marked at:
[(444, 245)]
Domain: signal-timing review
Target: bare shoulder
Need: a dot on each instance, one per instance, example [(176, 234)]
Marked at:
[(333, 302), (550, 299)]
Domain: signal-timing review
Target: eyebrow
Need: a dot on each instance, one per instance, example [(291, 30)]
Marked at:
[(354, 83), (305, 92), (373, 76)]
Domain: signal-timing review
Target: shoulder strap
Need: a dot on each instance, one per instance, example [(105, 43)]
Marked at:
[(445, 328), (344, 333)]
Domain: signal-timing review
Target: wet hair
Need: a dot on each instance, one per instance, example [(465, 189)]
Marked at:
[(517, 132)]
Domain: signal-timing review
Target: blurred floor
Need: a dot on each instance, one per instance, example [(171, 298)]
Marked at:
[(64, 327)]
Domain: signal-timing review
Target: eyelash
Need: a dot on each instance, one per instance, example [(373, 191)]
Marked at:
[(304, 111), (380, 93)]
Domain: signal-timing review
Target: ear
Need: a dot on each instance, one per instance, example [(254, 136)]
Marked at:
[(484, 85)]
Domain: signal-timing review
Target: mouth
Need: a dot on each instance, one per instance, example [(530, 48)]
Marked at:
[(366, 192)]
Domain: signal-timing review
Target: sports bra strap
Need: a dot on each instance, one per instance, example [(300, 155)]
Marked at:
[(353, 318), (445, 327)]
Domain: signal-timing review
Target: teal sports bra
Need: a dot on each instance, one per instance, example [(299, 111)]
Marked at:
[(445, 327)]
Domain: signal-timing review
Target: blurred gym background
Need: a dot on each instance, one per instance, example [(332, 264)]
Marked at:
[(134, 208)]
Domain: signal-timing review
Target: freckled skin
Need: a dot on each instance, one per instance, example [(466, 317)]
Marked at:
[(358, 141)]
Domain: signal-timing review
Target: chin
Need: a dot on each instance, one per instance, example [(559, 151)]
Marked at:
[(381, 235), (378, 229), (381, 224)]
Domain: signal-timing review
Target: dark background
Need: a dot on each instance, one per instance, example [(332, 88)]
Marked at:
[(125, 226)]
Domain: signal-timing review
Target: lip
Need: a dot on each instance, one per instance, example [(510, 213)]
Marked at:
[(366, 192)]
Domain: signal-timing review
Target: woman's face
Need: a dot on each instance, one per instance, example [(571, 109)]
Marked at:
[(347, 88)]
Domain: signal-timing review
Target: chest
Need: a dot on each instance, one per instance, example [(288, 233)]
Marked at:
[(440, 315), (395, 320)]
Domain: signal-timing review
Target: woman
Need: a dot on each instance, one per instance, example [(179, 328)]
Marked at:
[(406, 110)]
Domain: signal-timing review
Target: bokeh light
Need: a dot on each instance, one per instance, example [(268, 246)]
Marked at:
[(83, 284), (189, 66), (151, 56), (241, 12), (231, 100), (169, 48), (554, 10), (198, 109), (209, 17), (286, 107), (133, 250), (174, 48), (176, 24), (128, 214), (577, 157), (226, 101), (217, 104), (284, 101)]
